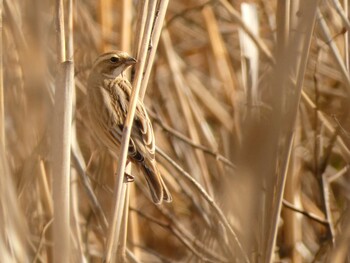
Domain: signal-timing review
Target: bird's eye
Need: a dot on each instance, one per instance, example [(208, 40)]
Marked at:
[(114, 59)]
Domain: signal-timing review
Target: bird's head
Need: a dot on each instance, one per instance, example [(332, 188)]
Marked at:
[(112, 64)]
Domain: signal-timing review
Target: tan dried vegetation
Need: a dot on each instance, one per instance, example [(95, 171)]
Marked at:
[(249, 104)]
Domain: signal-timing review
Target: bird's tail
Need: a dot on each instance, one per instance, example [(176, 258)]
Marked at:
[(159, 191)]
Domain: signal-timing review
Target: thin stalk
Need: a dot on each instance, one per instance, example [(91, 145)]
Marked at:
[(312, 216), (250, 56), (334, 50), (346, 35), (209, 101), (144, 44), (157, 29), (70, 39), (258, 41), (45, 190), (209, 199), (180, 84), (134, 235), (121, 250), (174, 225), (194, 246), (61, 161), (61, 48), (319, 171), (41, 243), (292, 192), (119, 194), (94, 203), (221, 59), (2, 107), (325, 195), (126, 25), (187, 140), (345, 151), (282, 31), (131, 257), (342, 14), (76, 231), (74, 189), (340, 253), (301, 43), (339, 174), (61, 144), (141, 21)]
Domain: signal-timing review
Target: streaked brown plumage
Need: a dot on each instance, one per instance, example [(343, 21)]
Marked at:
[(108, 99)]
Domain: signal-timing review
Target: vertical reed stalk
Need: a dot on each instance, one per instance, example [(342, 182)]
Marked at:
[(61, 161), (2, 107), (120, 191), (61, 142), (61, 46), (126, 19), (157, 29), (70, 37), (140, 22), (300, 44)]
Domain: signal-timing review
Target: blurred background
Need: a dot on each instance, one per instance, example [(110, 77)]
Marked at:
[(249, 102)]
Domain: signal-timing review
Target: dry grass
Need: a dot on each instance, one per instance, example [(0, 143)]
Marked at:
[(249, 102)]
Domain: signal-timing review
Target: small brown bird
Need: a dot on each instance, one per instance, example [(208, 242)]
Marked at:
[(109, 94)]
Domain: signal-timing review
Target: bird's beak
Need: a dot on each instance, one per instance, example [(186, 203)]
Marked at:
[(130, 61)]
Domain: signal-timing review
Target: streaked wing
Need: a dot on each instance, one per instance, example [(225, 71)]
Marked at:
[(141, 144)]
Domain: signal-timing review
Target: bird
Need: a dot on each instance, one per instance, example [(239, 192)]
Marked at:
[(108, 95)]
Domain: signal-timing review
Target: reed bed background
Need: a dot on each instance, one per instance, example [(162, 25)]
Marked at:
[(250, 105)]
